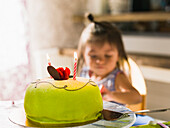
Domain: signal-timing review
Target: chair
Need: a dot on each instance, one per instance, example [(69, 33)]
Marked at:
[(138, 83)]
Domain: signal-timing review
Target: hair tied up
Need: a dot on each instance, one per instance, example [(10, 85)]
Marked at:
[(90, 17)]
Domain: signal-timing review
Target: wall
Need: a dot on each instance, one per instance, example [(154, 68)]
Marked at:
[(148, 44), (51, 27), (158, 97)]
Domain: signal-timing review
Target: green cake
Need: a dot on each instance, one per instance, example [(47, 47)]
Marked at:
[(60, 102)]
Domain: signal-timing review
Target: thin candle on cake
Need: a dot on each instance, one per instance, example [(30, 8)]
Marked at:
[(48, 58), (75, 66)]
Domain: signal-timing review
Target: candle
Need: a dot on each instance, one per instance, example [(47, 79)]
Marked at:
[(48, 58), (75, 66)]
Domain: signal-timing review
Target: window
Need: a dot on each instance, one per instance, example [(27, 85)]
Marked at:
[(14, 61)]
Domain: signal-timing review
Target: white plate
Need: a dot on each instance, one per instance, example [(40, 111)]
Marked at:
[(17, 116)]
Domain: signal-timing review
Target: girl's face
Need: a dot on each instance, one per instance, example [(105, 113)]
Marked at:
[(101, 59)]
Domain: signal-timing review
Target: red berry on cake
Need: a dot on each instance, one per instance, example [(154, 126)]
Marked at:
[(64, 73), (60, 73)]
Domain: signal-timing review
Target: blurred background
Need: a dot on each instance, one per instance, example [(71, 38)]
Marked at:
[(29, 29)]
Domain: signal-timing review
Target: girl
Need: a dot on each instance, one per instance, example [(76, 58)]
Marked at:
[(101, 57)]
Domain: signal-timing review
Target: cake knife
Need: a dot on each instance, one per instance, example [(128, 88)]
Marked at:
[(113, 115), (148, 111)]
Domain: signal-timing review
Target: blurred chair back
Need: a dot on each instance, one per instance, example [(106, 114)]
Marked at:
[(138, 82)]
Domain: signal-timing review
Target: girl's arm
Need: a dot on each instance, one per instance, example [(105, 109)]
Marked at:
[(125, 93)]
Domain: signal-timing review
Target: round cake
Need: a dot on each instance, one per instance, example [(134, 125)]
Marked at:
[(68, 101)]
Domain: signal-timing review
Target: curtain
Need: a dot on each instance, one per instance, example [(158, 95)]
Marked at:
[(14, 49)]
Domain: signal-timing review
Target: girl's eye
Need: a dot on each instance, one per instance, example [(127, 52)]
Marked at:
[(93, 56), (108, 56)]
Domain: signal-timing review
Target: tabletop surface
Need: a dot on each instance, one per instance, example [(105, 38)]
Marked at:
[(8, 107), (5, 108)]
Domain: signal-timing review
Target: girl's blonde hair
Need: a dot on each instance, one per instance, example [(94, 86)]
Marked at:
[(99, 33)]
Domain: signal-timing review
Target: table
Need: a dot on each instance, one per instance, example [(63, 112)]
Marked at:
[(6, 108)]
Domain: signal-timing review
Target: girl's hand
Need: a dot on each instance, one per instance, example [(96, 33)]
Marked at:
[(105, 93)]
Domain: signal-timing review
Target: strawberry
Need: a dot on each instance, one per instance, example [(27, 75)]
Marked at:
[(61, 69), (60, 73), (64, 74)]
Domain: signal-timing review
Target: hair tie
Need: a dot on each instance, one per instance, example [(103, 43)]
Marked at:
[(90, 17)]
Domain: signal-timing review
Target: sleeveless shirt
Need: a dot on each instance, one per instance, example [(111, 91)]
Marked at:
[(108, 82)]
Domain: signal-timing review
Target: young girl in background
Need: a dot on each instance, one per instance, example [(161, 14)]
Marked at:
[(101, 58)]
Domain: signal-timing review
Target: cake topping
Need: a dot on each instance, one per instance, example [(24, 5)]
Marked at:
[(64, 74), (59, 73), (53, 72)]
